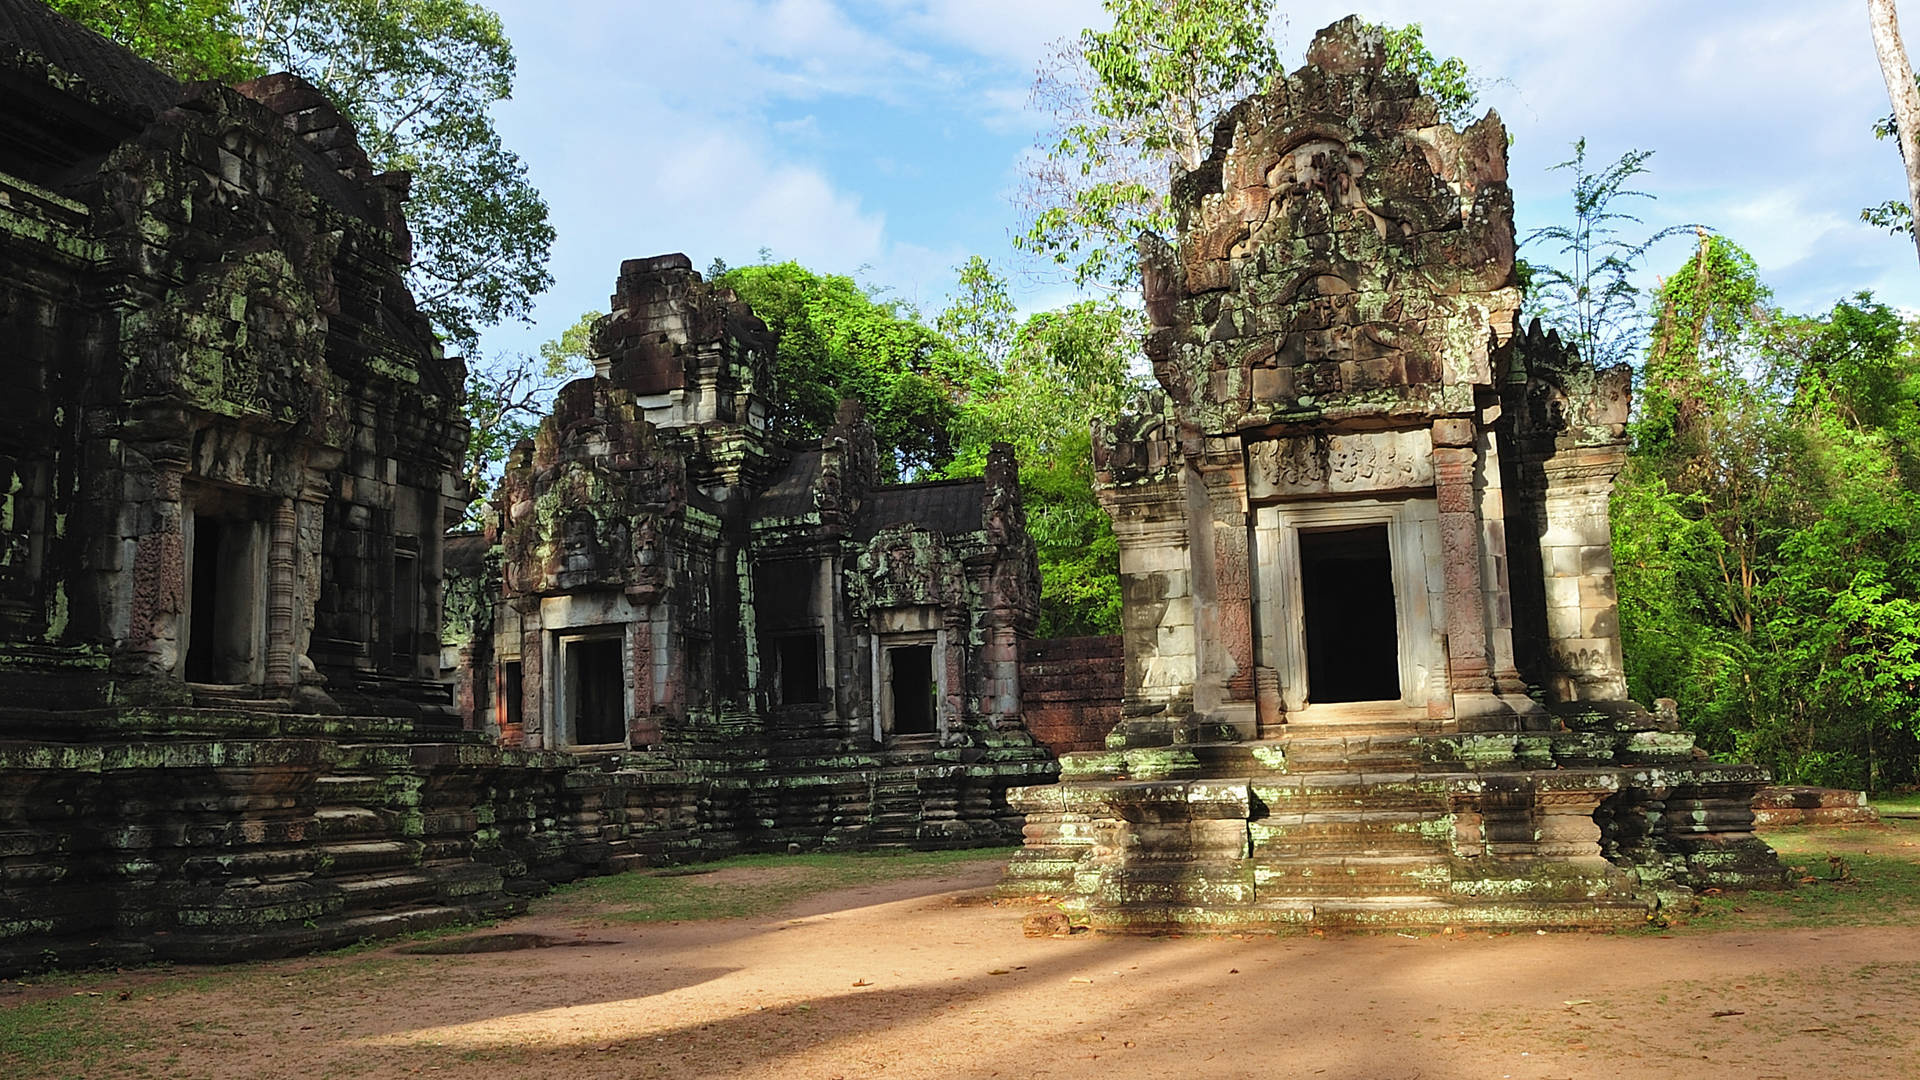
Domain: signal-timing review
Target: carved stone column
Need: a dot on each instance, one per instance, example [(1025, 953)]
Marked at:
[(158, 604), (1225, 618), (309, 535), (533, 681), (1469, 658), (281, 675)]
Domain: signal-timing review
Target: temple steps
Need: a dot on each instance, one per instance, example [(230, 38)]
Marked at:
[(1383, 912)]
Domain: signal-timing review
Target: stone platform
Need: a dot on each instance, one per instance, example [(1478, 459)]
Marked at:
[(1799, 805), (210, 835), (1385, 825)]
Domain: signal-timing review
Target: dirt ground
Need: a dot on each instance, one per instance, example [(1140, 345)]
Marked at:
[(930, 978)]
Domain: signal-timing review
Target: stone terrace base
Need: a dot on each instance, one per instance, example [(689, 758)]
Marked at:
[(1787, 805), (1383, 825), (217, 835)]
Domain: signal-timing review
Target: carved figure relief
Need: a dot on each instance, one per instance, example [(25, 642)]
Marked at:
[(1327, 464)]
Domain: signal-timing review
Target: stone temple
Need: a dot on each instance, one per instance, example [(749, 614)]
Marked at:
[(229, 453), (678, 589), (1373, 671), (254, 699)]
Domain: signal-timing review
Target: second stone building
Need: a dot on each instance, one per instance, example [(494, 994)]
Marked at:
[(681, 589)]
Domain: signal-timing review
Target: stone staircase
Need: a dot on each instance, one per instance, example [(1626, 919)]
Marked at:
[(1374, 825)]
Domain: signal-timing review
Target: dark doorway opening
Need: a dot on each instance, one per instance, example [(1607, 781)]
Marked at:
[(205, 599), (404, 598), (911, 676), (1352, 636), (223, 597), (597, 689), (799, 660)]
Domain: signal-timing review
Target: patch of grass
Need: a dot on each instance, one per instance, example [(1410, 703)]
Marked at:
[(676, 894), (1835, 883), (61, 1037), (1908, 803)]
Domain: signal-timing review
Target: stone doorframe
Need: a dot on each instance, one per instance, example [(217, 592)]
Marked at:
[(883, 679), (1413, 543), (561, 738)]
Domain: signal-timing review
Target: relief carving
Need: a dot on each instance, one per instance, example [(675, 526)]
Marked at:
[(1330, 464)]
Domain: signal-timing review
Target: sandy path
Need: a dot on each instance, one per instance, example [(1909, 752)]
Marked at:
[(929, 979)]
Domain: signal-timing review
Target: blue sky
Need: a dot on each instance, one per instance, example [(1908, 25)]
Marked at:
[(883, 138)]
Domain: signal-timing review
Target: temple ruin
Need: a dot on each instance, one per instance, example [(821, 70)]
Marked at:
[(1373, 670), (228, 457), (677, 588)]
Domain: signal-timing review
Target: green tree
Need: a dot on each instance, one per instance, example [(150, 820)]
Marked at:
[(1058, 371), (1767, 528), (1589, 292), (1447, 80), (418, 78), (838, 341), (1133, 104), (188, 39), (1903, 92), (1128, 104), (982, 320), (506, 398)]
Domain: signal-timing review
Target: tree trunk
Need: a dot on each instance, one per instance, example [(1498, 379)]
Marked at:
[(1898, 72)]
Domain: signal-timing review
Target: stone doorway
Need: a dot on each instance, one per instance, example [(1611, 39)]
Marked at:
[(226, 590), (910, 690), (1349, 607), (1351, 625), (594, 709)]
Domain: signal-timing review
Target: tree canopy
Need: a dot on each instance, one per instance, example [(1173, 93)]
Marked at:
[(418, 78), (838, 341), (1765, 529)]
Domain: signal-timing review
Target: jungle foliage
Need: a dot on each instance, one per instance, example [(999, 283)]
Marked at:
[(940, 396), (1767, 528), (417, 78)]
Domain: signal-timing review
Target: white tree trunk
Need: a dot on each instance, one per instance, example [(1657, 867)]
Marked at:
[(1905, 96)]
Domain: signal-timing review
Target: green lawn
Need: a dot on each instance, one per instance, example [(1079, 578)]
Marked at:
[(1842, 876), (1897, 804)]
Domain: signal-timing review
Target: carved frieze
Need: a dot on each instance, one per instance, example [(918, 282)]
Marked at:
[(1322, 464)]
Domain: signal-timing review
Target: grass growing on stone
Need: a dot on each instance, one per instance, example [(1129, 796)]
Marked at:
[(1842, 876), (749, 885)]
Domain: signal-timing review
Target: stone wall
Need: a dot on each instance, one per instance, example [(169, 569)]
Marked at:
[(1781, 806), (233, 835), (1071, 689)]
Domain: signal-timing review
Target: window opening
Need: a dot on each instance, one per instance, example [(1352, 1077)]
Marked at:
[(1352, 629), (799, 661), (405, 616), (510, 690)]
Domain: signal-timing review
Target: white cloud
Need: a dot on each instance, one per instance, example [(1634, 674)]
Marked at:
[(722, 126)]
